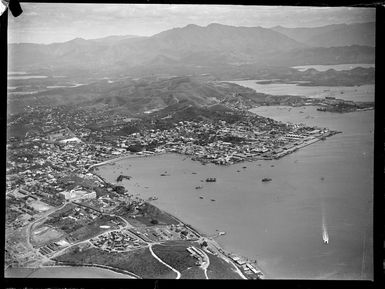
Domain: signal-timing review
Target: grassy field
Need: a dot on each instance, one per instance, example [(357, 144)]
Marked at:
[(193, 273), (151, 212), (176, 256), (220, 269), (93, 229), (139, 262), (66, 208), (46, 236)]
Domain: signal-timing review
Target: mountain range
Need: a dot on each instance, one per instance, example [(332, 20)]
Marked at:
[(198, 47), (333, 35)]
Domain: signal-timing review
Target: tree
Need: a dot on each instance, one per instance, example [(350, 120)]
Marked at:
[(154, 222), (120, 189)]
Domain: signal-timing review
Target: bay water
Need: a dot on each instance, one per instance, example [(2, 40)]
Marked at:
[(327, 184)]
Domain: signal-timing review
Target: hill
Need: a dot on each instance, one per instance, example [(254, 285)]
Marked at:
[(333, 35)]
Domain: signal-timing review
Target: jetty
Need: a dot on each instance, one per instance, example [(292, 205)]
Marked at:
[(121, 177)]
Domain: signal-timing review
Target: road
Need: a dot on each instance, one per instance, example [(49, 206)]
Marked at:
[(161, 261), (45, 215), (206, 262)]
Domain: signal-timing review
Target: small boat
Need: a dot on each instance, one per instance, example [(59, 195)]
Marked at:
[(210, 180), (198, 187), (266, 179), (325, 235), (212, 200), (200, 197)]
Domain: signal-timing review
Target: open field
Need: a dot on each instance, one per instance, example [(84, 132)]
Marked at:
[(40, 206), (93, 229), (193, 273), (176, 256), (45, 235), (220, 269), (139, 262)]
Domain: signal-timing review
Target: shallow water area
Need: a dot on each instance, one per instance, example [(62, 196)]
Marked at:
[(354, 93), (338, 67)]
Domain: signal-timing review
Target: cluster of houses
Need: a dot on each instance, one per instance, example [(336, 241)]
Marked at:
[(117, 241)]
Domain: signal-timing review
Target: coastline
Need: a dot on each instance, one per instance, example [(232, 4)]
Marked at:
[(267, 198), (223, 254), (110, 271), (226, 256)]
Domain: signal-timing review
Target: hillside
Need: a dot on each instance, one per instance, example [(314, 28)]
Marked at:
[(333, 35)]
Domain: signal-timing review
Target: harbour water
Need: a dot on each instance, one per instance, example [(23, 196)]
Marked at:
[(354, 93), (337, 67), (280, 223)]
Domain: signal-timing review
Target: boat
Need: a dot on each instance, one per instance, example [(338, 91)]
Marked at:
[(266, 179), (200, 197), (211, 180), (212, 200), (198, 187), (325, 237)]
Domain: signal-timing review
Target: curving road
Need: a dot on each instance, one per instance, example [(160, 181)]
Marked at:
[(161, 261), (206, 262)]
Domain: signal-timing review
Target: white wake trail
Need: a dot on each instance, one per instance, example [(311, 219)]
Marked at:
[(325, 235)]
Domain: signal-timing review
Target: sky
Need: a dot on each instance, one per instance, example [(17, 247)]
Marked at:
[(54, 22)]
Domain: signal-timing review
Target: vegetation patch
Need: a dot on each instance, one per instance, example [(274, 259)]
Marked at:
[(220, 269), (176, 256), (94, 229), (194, 272), (150, 213), (139, 262), (45, 235)]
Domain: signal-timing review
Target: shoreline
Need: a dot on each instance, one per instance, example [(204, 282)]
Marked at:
[(95, 266), (224, 255)]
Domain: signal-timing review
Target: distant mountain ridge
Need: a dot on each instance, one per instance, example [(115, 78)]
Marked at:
[(193, 46), (334, 35)]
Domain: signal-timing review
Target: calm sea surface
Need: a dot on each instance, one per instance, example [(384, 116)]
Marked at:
[(355, 93), (278, 223)]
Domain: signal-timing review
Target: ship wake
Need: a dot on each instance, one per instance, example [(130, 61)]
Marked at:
[(325, 235)]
